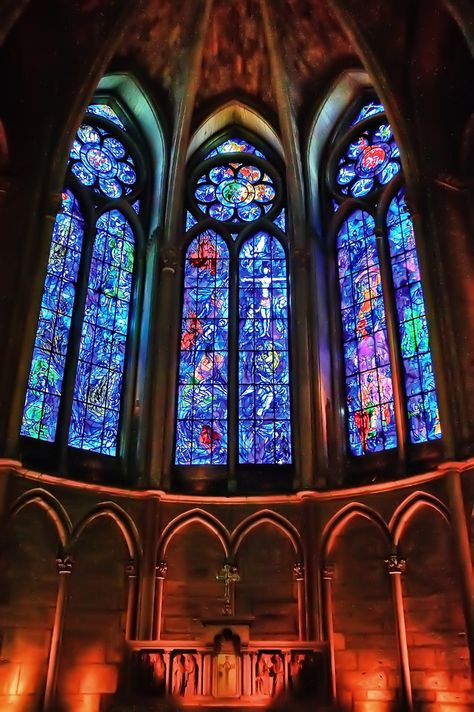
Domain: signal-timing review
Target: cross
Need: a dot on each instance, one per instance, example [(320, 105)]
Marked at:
[(228, 575)]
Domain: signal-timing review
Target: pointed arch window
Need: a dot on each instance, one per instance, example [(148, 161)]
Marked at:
[(390, 392), (84, 353), (233, 406)]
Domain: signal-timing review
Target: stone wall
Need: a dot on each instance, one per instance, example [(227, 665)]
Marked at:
[(69, 626)]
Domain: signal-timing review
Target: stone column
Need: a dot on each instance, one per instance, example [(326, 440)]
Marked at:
[(396, 566), (460, 535), (160, 574), (130, 622), (64, 563), (328, 623), (298, 576)]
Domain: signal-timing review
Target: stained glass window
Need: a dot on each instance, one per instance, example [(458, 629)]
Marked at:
[(98, 388), (368, 376), (264, 374), (57, 304), (233, 187), (367, 166), (422, 404), (105, 161), (203, 375)]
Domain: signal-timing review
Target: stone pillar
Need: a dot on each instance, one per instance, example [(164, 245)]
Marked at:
[(130, 622), (64, 564), (298, 576), (160, 574), (396, 566), (460, 534), (199, 686), (328, 623)]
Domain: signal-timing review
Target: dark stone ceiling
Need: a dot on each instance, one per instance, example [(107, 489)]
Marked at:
[(313, 49)]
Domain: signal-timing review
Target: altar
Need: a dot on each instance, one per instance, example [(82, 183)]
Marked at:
[(224, 665)]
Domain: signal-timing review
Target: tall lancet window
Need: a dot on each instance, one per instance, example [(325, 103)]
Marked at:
[(388, 377), (234, 377), (83, 352)]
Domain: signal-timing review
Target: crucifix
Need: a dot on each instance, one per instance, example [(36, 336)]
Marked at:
[(228, 575)]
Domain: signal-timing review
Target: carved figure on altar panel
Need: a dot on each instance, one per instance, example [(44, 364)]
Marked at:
[(263, 681), (226, 675), (179, 679), (296, 663), (190, 675), (278, 674), (158, 669), (149, 673)]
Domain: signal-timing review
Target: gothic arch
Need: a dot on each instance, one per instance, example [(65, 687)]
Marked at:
[(235, 113), (134, 97), (408, 508), (266, 516), (339, 520), (124, 522), (339, 97), (195, 516), (53, 508)]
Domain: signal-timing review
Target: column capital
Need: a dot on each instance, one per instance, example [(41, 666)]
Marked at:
[(396, 564), (328, 571), (168, 260), (64, 563), (131, 568), (161, 569), (298, 571)]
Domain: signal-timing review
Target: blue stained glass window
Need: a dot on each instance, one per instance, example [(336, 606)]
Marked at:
[(369, 109), (59, 292), (264, 376), (98, 388), (234, 145), (229, 194), (106, 112), (235, 192), (201, 437), (102, 162), (368, 375), (422, 403), (370, 161), (100, 159)]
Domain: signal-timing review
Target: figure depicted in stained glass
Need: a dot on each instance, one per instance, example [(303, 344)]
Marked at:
[(264, 414)]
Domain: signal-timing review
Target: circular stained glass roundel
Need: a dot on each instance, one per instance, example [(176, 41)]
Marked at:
[(99, 161), (372, 160), (96, 161), (235, 192)]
